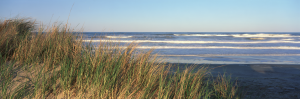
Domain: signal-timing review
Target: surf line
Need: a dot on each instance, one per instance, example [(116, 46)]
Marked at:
[(187, 42), (214, 47), (236, 55), (207, 47)]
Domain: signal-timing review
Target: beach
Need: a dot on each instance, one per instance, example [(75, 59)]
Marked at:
[(268, 81)]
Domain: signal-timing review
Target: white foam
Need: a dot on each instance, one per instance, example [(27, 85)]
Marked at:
[(215, 47), (257, 38), (288, 39), (241, 60), (118, 36), (203, 61), (240, 35), (263, 35), (201, 35), (189, 42), (208, 55)]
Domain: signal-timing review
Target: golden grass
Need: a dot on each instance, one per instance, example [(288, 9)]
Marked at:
[(56, 64)]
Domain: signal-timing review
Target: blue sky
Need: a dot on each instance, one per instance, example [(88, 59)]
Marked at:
[(161, 15)]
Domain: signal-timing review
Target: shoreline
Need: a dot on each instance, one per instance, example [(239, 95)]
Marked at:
[(259, 80)]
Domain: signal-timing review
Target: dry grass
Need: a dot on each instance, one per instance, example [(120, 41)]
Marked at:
[(12, 33), (56, 64)]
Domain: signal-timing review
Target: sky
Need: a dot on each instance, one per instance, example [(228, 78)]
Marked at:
[(160, 15)]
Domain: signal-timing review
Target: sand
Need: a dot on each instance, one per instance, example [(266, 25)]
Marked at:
[(261, 81)]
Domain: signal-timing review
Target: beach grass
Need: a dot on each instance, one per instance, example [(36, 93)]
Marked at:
[(55, 63)]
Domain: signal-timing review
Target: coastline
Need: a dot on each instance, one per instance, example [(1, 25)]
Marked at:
[(259, 80), (53, 64)]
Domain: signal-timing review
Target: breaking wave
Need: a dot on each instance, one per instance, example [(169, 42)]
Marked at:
[(189, 42), (201, 35), (288, 39), (240, 35), (118, 36), (263, 35), (216, 47), (236, 55)]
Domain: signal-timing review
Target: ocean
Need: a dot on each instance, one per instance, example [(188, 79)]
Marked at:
[(211, 47)]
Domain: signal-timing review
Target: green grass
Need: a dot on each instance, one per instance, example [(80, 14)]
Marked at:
[(58, 64)]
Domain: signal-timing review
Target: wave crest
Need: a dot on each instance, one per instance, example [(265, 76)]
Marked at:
[(262, 35), (201, 35), (118, 36), (217, 47), (240, 35), (189, 42)]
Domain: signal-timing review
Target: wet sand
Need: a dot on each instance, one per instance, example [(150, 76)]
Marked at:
[(268, 81)]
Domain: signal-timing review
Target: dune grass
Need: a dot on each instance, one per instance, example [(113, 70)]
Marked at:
[(57, 64)]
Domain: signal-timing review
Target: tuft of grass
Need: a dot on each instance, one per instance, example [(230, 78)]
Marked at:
[(12, 33), (57, 64)]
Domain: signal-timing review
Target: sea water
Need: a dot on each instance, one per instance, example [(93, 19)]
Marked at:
[(211, 47)]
